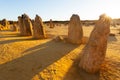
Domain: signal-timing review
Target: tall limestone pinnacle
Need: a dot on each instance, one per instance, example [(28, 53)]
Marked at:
[(94, 52), (38, 28), (75, 32)]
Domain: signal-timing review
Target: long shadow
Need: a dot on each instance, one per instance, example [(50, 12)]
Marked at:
[(76, 73), (4, 34), (36, 59), (16, 40), (11, 36)]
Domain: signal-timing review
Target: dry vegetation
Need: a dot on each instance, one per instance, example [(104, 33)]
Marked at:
[(23, 58)]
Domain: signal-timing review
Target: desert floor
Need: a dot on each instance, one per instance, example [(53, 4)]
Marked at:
[(24, 58)]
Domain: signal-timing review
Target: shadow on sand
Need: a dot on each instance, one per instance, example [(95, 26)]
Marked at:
[(16, 40), (7, 34), (36, 59), (76, 73), (112, 38)]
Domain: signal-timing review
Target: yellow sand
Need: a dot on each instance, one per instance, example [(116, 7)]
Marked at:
[(23, 58)]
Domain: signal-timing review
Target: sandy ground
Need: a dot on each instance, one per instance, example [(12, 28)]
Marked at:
[(23, 58)]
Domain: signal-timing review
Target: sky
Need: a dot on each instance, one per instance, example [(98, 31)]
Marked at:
[(59, 9)]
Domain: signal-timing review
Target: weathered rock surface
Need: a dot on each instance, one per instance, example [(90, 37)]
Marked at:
[(38, 28), (75, 32), (94, 52), (14, 27), (25, 25)]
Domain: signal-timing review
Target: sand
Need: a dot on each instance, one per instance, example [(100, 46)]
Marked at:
[(24, 58)]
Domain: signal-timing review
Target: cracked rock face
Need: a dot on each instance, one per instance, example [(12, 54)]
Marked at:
[(94, 52)]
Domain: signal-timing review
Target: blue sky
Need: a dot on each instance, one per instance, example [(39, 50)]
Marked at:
[(59, 9)]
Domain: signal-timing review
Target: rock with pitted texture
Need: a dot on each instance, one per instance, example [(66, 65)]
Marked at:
[(38, 28), (94, 52), (25, 25), (75, 31)]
